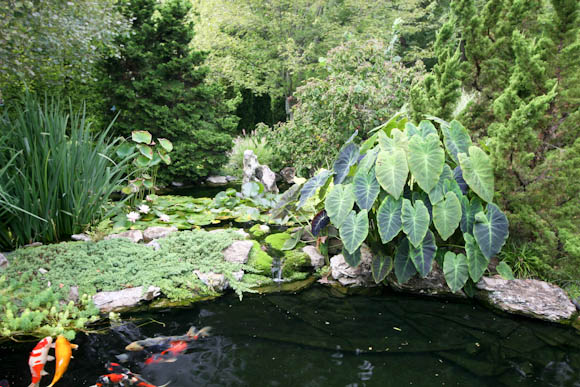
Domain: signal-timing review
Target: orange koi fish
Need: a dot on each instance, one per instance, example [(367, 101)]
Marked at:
[(63, 353), (169, 355), (38, 358)]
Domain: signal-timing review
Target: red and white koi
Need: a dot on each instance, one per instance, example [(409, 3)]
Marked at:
[(169, 355), (38, 358)]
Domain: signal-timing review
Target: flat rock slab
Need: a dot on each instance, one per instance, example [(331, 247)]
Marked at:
[(433, 284), (347, 275), (134, 235), (238, 252), (157, 232), (527, 297), (121, 299), (217, 180), (216, 281), (80, 237)]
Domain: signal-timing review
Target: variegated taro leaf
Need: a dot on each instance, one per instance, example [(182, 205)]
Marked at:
[(404, 267), (389, 218), (478, 172), (391, 170), (438, 192), (382, 266), (426, 160), (339, 202), (447, 215), (347, 157), (456, 139), (415, 221), (366, 189), (458, 176), (424, 129), (468, 211), (423, 255), (398, 140), (354, 230), (368, 161), (455, 270), (352, 259), (491, 230), (310, 187), (476, 262)]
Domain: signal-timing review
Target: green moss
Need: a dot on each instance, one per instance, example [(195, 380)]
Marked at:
[(294, 260), (276, 241), (257, 231), (260, 260)]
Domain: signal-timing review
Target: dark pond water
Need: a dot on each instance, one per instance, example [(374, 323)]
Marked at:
[(317, 338)]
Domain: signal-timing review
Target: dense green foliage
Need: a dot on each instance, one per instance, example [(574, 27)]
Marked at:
[(52, 46), (518, 61), (257, 144), (60, 175), (443, 209), (158, 84), (364, 87)]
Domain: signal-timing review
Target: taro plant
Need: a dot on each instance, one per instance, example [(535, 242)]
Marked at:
[(412, 197), (148, 155)]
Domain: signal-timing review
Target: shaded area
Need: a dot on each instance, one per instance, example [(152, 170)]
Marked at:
[(318, 338)]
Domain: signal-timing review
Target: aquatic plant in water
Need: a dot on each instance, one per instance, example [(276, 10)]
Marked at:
[(411, 198)]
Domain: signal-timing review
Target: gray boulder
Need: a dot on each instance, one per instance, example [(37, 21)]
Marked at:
[(80, 237), (253, 171), (527, 297), (433, 284), (238, 252), (347, 275), (217, 282), (121, 299), (3, 261), (156, 232), (134, 235), (316, 259), (217, 180), (288, 174)]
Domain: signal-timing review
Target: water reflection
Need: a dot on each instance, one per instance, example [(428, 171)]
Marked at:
[(319, 339)]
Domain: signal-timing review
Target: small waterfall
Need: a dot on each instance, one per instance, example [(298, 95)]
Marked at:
[(277, 270)]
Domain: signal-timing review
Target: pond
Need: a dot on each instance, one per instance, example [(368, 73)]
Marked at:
[(321, 338)]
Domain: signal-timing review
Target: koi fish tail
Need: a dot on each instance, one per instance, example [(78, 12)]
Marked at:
[(203, 332)]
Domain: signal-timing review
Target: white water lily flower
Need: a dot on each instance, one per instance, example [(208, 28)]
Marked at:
[(144, 208), (149, 198), (133, 216), (164, 217)]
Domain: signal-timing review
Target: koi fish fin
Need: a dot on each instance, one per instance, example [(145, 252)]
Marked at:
[(74, 346), (204, 331), (166, 384), (43, 373), (49, 358), (191, 332), (33, 385)]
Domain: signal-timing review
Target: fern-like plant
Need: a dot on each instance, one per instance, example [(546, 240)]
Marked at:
[(412, 196)]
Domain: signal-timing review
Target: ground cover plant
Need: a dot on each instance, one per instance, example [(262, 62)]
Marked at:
[(414, 201), (35, 287), (57, 171)]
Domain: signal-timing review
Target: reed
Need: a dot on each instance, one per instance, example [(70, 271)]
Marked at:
[(61, 173)]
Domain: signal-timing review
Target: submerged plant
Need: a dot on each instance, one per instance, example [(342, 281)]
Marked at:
[(411, 197)]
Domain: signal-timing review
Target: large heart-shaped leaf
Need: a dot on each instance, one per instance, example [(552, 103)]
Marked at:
[(426, 128), (382, 266), (404, 267), (165, 144), (352, 259), (447, 215), (354, 230), (319, 221), (389, 218), (423, 255), (478, 172), (366, 189), (438, 192), (347, 157), (339, 203), (141, 137), (458, 176), (312, 185), (455, 270), (476, 261), (426, 160), (491, 230), (456, 139), (415, 221), (399, 140), (392, 170), (468, 211), (368, 161)]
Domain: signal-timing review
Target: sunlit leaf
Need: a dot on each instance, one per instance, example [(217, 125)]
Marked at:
[(141, 136), (392, 171), (312, 185), (126, 149), (354, 230), (438, 192), (447, 215), (426, 160), (339, 203), (165, 144), (293, 240), (145, 150)]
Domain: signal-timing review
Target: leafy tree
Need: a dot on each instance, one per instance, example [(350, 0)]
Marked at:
[(158, 84), (519, 61), (54, 45), (364, 87)]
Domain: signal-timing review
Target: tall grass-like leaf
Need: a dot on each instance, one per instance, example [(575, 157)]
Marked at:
[(63, 175)]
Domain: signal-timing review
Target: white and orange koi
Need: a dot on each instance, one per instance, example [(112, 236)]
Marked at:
[(38, 358), (63, 353)]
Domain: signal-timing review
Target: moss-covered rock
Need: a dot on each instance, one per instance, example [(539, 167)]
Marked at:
[(294, 261), (258, 231), (260, 260), (276, 241)]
